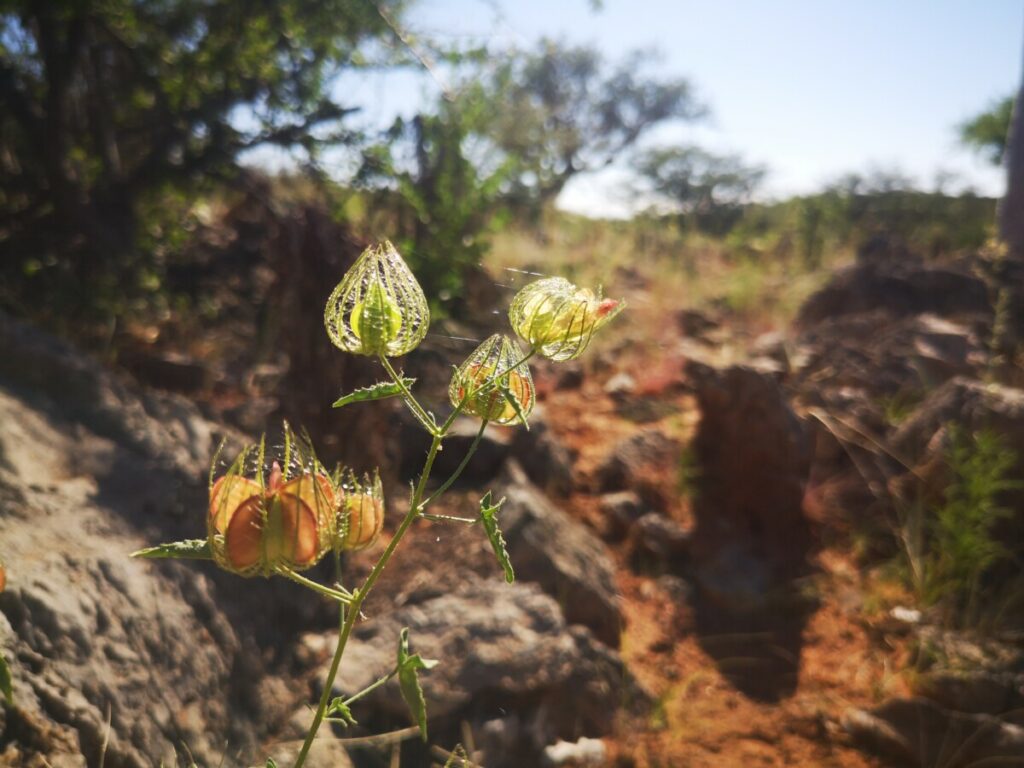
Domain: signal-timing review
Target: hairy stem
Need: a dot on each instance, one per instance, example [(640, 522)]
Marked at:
[(455, 475), (348, 622), (418, 411), (333, 594)]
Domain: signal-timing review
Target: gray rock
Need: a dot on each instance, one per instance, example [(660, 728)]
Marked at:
[(658, 543), (629, 458), (585, 753), (620, 385), (507, 658), (919, 732), (547, 462), (621, 509), (564, 558)]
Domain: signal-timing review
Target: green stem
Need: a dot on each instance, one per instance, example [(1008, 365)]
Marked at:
[(371, 687), (418, 411), (333, 594), (348, 623), (455, 475), (447, 518)]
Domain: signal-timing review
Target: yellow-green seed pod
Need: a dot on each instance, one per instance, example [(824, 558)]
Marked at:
[(490, 379), (378, 307), (360, 516), (258, 524), (558, 319)]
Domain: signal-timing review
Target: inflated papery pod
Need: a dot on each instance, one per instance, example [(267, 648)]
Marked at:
[(378, 307), (558, 319), (494, 383), (260, 522), (360, 516)]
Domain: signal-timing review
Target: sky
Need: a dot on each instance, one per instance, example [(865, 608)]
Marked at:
[(812, 89)]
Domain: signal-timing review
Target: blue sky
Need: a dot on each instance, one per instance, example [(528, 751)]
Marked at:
[(810, 88)]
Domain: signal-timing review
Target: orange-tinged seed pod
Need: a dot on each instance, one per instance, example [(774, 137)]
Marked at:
[(361, 513), (3, 577), (480, 383), (258, 528)]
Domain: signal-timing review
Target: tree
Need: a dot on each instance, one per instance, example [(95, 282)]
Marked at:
[(447, 200), (559, 111), (705, 188), (1011, 209), (986, 133), (104, 106)]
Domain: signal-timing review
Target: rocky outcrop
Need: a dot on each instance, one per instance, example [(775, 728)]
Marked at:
[(509, 665), (900, 287), (564, 558), (914, 732)]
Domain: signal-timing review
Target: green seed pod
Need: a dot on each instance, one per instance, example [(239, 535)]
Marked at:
[(558, 319), (491, 385), (378, 307)]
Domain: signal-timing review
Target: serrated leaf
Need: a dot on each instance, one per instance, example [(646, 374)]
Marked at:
[(339, 711), (512, 400), (409, 681), (189, 549), (6, 685), (379, 391), (489, 518)]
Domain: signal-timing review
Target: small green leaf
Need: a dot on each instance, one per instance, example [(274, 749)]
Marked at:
[(339, 712), (514, 402), (379, 391), (6, 687), (489, 518), (271, 763), (459, 753), (409, 682), (189, 549)]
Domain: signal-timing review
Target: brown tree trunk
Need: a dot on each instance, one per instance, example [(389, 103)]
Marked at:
[(1011, 210)]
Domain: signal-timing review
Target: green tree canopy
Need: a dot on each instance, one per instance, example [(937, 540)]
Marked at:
[(699, 184), (559, 111), (987, 132), (105, 103)]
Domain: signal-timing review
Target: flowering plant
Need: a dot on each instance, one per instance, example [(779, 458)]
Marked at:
[(281, 520)]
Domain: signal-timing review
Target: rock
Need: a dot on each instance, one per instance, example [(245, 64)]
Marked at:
[(695, 324), (974, 405), (89, 631), (490, 456), (752, 455), (640, 463), (924, 440), (165, 370), (570, 375), (658, 544), (585, 753), (547, 462), (919, 732), (900, 288), (621, 509), (620, 385), (889, 356), (92, 469), (978, 691), (567, 560), (507, 658)]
